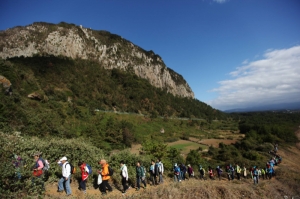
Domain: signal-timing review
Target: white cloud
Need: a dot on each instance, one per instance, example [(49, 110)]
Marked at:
[(272, 80), (220, 1)]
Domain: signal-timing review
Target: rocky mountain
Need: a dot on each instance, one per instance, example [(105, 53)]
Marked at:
[(77, 42)]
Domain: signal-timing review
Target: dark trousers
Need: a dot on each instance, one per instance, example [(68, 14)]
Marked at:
[(219, 176), (82, 185), (138, 182), (105, 185), (238, 176), (152, 178), (124, 183)]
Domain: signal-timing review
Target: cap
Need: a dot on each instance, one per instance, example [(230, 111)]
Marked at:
[(37, 153), (63, 158)]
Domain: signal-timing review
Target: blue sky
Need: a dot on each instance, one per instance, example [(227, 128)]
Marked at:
[(233, 53)]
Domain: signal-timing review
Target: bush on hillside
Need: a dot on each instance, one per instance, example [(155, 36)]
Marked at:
[(74, 149)]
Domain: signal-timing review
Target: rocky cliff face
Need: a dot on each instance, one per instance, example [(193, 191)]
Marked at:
[(112, 51)]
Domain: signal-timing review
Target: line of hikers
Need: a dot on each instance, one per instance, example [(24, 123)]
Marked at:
[(156, 171)]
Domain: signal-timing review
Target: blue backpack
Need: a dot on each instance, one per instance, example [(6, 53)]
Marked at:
[(90, 169)]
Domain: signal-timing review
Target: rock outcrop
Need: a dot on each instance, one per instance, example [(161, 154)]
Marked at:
[(111, 50)]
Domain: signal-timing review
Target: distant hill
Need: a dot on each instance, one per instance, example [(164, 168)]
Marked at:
[(272, 107), (109, 50)]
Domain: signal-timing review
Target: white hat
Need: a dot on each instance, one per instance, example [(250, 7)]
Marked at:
[(63, 158)]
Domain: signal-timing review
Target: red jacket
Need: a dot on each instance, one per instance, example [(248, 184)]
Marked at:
[(84, 173)]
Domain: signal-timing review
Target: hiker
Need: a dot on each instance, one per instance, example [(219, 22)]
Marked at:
[(66, 176), (255, 175), (160, 171), (229, 172), (202, 172), (238, 172), (152, 172), (190, 171), (84, 175), (18, 164), (176, 173), (182, 171), (270, 171), (219, 172), (245, 172), (232, 172), (258, 172), (211, 173), (38, 170), (105, 177), (251, 172), (124, 175), (263, 173), (140, 176)]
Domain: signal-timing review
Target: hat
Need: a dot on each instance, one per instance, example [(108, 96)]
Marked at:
[(175, 164), (63, 158), (37, 153), (189, 165)]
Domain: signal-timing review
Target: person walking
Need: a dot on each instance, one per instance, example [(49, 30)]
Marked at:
[(182, 171), (245, 172), (140, 176), (255, 175), (229, 172), (152, 172), (238, 172), (263, 173), (124, 175), (259, 173), (232, 172), (160, 171), (219, 172), (84, 175), (202, 172), (38, 173), (190, 171), (176, 173), (211, 173), (105, 177), (66, 176)]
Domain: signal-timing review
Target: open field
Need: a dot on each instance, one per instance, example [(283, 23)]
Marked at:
[(184, 145)]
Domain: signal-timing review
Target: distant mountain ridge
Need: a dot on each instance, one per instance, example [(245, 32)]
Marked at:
[(110, 50), (271, 107)]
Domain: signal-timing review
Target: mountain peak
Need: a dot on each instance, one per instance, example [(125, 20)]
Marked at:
[(110, 50)]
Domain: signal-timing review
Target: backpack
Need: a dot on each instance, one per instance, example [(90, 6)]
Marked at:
[(160, 167), (177, 169), (73, 169), (143, 170), (110, 171), (46, 165), (89, 168)]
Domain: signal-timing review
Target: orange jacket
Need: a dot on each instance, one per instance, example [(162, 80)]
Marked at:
[(105, 172)]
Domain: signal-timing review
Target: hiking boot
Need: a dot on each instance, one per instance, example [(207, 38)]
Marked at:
[(137, 189), (145, 187), (60, 191)]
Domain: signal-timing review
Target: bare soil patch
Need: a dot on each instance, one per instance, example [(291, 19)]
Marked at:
[(216, 142)]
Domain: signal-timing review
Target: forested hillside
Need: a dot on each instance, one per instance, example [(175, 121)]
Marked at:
[(58, 96)]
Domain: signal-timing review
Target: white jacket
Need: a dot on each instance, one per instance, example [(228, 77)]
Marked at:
[(162, 167), (124, 172), (66, 170)]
